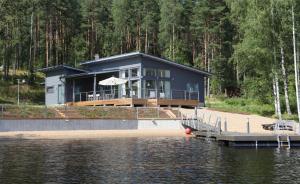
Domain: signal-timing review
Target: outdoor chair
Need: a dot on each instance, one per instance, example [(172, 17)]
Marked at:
[(152, 94), (90, 97), (132, 94), (97, 96)]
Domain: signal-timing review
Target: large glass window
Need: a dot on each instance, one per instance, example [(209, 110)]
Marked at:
[(149, 72), (150, 88), (164, 73), (134, 88), (192, 87), (164, 89)]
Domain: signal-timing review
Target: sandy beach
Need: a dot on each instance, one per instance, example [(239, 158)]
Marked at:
[(90, 134), (235, 122)]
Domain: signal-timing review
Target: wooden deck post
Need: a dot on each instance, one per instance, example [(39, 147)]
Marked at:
[(225, 125), (73, 90), (94, 89), (248, 127)]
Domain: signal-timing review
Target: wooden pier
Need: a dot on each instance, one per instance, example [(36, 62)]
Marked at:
[(234, 139)]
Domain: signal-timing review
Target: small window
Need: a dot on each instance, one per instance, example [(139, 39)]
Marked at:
[(50, 89), (149, 72), (124, 74), (134, 72)]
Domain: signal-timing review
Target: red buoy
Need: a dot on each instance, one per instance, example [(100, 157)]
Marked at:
[(188, 131)]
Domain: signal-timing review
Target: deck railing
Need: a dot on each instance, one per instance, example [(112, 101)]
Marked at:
[(135, 93)]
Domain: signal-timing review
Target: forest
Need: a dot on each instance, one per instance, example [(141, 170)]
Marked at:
[(246, 44)]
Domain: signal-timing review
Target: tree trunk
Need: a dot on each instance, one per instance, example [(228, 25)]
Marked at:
[(275, 97), (295, 65), (285, 83), (146, 41), (47, 43), (205, 61), (208, 69), (237, 72), (278, 97), (50, 41), (30, 45), (173, 42)]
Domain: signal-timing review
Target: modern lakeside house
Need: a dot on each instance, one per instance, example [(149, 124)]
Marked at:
[(150, 81)]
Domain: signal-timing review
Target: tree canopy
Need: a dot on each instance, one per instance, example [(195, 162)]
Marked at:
[(241, 42)]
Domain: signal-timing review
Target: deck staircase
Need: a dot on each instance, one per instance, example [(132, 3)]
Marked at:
[(60, 114), (152, 103), (169, 113), (284, 141)]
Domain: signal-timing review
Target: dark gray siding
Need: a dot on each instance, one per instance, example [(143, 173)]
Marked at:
[(114, 65), (179, 77), (55, 78)]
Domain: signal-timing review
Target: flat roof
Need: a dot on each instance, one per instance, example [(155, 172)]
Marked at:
[(135, 54)]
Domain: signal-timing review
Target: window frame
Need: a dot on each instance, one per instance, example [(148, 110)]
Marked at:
[(48, 89)]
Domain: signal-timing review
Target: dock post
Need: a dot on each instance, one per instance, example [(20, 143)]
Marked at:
[(219, 126), (248, 127), (225, 125), (196, 114), (137, 113)]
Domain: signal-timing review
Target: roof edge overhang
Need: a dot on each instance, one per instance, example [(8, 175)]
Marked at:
[(136, 54), (177, 64), (110, 58), (90, 74), (60, 67)]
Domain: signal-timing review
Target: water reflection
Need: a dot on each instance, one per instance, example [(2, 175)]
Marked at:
[(143, 160)]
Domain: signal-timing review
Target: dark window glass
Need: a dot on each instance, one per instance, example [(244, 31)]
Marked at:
[(134, 72), (149, 72), (50, 89)]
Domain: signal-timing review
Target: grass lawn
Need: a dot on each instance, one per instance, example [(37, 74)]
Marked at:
[(243, 106), (43, 112)]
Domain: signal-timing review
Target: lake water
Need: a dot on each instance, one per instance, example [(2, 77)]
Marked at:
[(143, 160)]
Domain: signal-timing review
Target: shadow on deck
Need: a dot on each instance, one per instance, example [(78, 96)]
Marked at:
[(137, 102)]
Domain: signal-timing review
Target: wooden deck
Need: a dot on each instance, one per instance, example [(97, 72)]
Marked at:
[(137, 102), (235, 139)]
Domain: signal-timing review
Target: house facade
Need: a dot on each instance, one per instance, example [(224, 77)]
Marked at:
[(152, 81)]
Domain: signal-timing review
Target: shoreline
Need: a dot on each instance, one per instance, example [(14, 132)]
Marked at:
[(90, 134)]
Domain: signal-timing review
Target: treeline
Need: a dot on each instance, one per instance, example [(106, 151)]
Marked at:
[(247, 44)]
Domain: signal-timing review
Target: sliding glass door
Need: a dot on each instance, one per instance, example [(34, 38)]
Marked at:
[(164, 87)]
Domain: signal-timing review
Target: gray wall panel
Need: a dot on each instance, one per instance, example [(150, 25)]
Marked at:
[(55, 125), (179, 77)]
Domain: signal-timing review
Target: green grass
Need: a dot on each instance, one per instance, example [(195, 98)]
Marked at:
[(26, 112), (245, 106), (29, 94), (240, 105), (43, 112)]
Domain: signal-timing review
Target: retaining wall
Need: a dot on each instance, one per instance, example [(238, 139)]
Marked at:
[(56, 125)]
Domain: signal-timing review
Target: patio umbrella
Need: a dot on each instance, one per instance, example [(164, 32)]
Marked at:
[(112, 81)]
